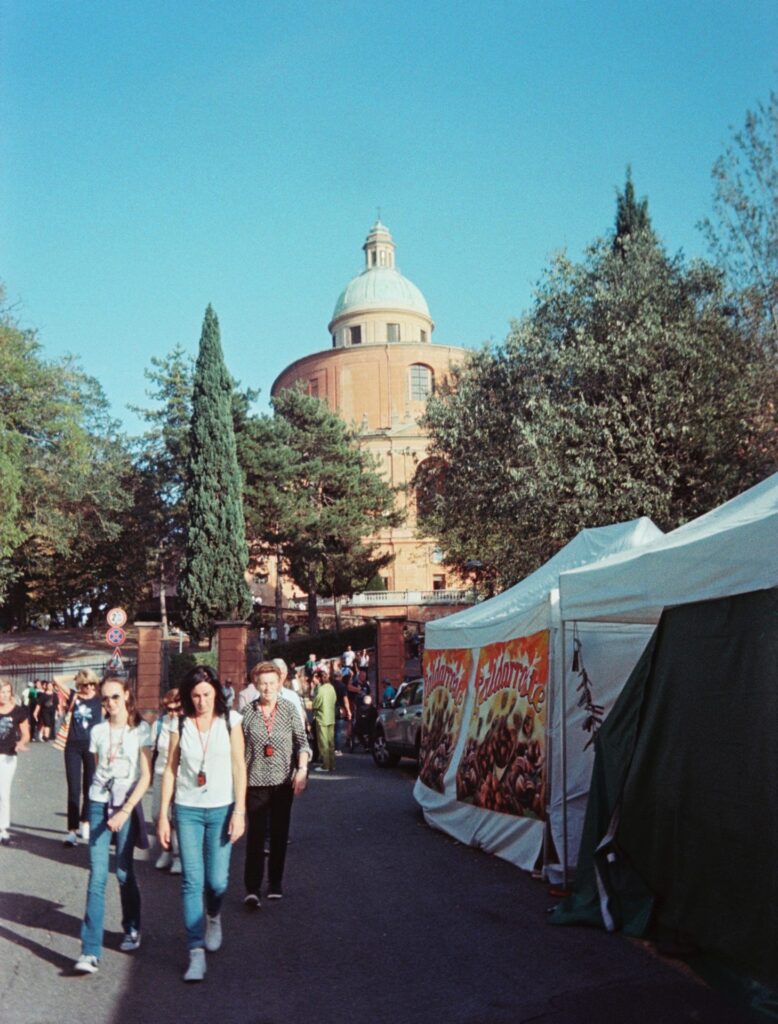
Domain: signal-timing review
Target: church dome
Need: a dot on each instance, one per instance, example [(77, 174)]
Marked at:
[(381, 287)]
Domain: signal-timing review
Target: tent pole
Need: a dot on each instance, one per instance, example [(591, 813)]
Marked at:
[(549, 760), (563, 755)]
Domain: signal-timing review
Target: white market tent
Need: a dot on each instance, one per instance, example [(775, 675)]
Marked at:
[(731, 550), (528, 608)]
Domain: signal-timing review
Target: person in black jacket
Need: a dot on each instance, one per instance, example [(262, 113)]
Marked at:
[(85, 712)]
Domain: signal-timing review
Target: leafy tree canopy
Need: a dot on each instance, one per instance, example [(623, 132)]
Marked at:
[(627, 390), (62, 468), (743, 230)]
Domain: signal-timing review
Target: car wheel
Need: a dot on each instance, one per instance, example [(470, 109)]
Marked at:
[(382, 755)]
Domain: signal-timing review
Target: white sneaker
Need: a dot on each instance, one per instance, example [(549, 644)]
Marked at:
[(164, 860), (84, 831), (213, 933), (175, 867), (86, 964), (196, 969), (71, 839)]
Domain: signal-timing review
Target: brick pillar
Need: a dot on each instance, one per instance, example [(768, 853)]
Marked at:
[(149, 679), (390, 651), (232, 640)]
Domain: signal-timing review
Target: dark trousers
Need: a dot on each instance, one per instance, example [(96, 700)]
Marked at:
[(79, 769), (268, 808)]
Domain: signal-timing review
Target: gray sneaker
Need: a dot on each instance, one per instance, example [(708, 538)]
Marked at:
[(131, 941), (213, 933), (196, 969)]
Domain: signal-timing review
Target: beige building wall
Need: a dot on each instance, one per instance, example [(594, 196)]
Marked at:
[(379, 387)]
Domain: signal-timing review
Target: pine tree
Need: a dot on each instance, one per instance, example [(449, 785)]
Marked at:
[(313, 496), (213, 583)]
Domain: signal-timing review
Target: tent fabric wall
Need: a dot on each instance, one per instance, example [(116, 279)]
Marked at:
[(684, 782), (609, 653), (526, 609), (731, 550)]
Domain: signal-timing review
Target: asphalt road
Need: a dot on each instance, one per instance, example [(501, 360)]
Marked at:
[(384, 921)]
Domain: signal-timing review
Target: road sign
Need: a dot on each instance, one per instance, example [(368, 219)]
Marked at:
[(115, 636), (116, 617)]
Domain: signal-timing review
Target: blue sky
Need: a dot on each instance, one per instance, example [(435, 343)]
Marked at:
[(159, 156)]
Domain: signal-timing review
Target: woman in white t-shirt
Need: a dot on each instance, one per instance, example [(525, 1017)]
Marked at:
[(120, 747), (206, 768)]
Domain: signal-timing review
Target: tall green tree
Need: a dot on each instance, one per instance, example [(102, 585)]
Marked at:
[(315, 496), (213, 585), (743, 229), (161, 461), (627, 390), (63, 464)]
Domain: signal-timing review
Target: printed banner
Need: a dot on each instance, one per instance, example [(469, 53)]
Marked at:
[(445, 686), (502, 765)]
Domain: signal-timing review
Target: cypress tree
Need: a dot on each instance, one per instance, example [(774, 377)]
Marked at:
[(631, 216), (213, 583)]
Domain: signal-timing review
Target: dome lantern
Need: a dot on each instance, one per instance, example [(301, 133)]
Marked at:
[(379, 305), (379, 247)]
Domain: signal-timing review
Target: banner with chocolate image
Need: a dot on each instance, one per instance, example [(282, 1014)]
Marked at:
[(502, 764), (446, 675)]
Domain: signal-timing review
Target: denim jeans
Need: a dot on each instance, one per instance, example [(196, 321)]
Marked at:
[(205, 862), (99, 853)]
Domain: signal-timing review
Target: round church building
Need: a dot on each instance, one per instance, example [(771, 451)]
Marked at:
[(378, 374)]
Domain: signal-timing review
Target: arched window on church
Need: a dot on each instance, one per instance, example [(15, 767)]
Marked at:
[(421, 382)]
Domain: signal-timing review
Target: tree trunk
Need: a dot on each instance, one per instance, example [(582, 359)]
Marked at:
[(279, 599), (313, 611), (163, 605), (336, 601)]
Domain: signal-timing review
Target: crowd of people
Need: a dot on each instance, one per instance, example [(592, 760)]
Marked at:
[(215, 772)]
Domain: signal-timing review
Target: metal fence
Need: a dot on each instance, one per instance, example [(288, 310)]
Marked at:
[(20, 676)]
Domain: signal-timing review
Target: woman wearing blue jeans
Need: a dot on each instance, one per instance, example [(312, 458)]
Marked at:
[(206, 768), (120, 747)]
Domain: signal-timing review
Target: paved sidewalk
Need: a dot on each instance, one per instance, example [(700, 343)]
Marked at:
[(384, 921)]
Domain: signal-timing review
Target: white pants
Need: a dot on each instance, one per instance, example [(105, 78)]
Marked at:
[(7, 769)]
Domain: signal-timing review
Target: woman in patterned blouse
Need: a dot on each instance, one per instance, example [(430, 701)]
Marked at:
[(277, 755)]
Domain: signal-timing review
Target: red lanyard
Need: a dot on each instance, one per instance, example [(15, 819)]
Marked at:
[(269, 719), (204, 746)]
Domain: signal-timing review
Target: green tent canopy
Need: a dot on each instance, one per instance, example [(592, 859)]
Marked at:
[(681, 827)]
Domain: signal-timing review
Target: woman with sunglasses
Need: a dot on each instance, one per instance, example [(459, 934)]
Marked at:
[(85, 712), (171, 710), (206, 768), (120, 747)]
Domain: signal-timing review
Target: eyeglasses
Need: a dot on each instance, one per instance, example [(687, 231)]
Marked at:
[(112, 696)]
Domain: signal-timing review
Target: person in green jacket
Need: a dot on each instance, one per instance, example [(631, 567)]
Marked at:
[(324, 702)]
